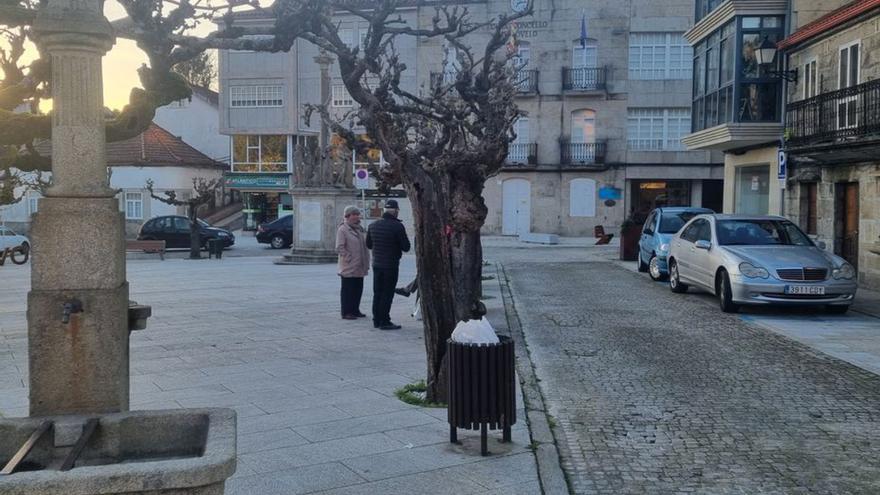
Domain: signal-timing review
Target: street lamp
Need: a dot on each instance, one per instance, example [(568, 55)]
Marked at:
[(766, 54)]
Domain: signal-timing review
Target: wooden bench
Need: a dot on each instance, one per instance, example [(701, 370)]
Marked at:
[(147, 247)]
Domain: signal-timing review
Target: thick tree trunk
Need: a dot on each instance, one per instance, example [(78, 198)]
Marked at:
[(449, 262), (195, 238)]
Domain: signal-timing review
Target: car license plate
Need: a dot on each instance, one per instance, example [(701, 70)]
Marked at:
[(809, 290)]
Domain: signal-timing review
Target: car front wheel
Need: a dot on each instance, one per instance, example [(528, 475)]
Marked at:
[(675, 284), (654, 268), (725, 294), (277, 242)]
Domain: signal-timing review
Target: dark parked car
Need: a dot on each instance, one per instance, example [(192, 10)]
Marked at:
[(277, 233), (175, 231)]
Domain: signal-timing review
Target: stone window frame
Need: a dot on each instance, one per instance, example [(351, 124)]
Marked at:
[(133, 205), (340, 97), (811, 85), (588, 61), (660, 60), (670, 135), (256, 96), (853, 100), (33, 201)]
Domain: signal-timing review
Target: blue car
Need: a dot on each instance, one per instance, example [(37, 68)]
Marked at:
[(659, 228)]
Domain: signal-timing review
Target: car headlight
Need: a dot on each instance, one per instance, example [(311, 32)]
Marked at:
[(844, 271), (664, 248), (751, 271)]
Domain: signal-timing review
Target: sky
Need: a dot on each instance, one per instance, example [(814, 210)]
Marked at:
[(121, 63)]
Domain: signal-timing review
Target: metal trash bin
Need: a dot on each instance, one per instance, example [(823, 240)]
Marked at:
[(482, 388), (215, 248)]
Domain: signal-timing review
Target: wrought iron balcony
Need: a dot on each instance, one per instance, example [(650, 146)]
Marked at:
[(527, 81), (522, 154), (578, 154), (847, 113), (583, 78)]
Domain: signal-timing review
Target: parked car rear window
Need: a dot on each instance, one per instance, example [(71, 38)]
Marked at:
[(671, 223), (760, 233)]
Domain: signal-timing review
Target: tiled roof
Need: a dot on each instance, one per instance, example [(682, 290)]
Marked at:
[(155, 147), (828, 22)]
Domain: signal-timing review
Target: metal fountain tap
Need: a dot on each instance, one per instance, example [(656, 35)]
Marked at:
[(70, 307)]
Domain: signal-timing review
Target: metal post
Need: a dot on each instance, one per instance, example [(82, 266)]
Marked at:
[(484, 432)]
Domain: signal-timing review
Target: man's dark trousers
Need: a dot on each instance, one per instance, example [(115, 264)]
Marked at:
[(384, 283), (352, 289)]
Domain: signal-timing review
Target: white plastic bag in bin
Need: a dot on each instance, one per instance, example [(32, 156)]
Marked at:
[(475, 332)]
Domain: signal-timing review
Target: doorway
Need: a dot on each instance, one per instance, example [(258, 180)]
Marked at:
[(846, 235), (752, 190), (713, 195), (516, 207)]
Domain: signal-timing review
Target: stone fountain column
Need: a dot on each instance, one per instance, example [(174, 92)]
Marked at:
[(78, 303), (321, 190), (78, 315)]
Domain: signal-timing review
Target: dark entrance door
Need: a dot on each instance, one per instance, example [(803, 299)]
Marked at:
[(713, 195), (846, 243)]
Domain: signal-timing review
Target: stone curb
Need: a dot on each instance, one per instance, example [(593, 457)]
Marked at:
[(550, 473)]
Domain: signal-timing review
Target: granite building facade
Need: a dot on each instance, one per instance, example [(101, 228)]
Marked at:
[(832, 131), (605, 112)]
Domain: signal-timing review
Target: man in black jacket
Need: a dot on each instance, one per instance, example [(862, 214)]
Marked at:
[(387, 239)]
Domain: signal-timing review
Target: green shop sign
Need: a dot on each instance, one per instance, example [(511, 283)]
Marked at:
[(257, 181)]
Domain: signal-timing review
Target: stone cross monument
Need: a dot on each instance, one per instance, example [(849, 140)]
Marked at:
[(321, 191), (78, 303)]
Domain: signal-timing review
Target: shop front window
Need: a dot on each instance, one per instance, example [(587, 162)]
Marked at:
[(753, 190), (650, 194), (264, 207), (260, 153)]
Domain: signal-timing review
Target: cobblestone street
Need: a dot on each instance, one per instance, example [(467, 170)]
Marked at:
[(655, 392)]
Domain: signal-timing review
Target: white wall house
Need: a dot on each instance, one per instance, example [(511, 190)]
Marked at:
[(196, 121), (157, 155)]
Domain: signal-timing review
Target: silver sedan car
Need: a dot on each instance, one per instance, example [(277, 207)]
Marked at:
[(758, 260)]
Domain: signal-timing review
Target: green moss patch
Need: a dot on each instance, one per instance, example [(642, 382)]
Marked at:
[(414, 394)]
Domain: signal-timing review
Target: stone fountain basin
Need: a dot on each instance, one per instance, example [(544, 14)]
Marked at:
[(168, 452)]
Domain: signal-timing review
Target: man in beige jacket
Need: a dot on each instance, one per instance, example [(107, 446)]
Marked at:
[(354, 262)]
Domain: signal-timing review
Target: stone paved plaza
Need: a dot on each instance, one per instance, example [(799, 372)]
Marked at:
[(647, 391), (655, 392), (314, 393)]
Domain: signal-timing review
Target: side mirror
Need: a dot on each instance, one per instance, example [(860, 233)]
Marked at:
[(821, 245), (702, 244)]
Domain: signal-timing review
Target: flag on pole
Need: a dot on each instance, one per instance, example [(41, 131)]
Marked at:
[(584, 30)]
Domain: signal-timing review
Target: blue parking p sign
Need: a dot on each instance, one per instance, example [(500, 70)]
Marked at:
[(783, 165)]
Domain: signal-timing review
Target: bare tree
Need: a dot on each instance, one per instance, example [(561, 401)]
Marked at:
[(441, 143), (203, 192)]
